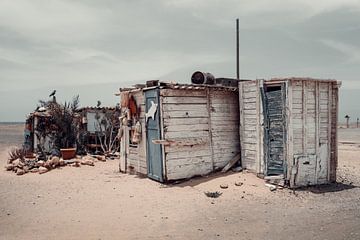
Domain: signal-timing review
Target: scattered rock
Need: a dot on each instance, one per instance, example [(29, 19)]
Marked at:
[(239, 184), (9, 167), (87, 162), (53, 162), (40, 163), (224, 186), (101, 158), (271, 187), (18, 163), (62, 162), (43, 170), (26, 169), (20, 172), (237, 169), (34, 170)]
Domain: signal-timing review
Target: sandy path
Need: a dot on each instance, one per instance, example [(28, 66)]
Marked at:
[(100, 203)]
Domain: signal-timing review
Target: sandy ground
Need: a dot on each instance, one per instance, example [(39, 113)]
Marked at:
[(100, 203)]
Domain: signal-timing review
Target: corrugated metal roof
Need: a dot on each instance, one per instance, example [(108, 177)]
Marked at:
[(178, 86)]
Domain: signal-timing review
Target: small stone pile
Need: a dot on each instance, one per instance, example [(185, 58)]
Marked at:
[(22, 166)]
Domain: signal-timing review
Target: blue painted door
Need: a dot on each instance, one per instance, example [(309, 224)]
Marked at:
[(274, 135), (153, 132)]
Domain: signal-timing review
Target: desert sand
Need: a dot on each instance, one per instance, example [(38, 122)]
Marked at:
[(101, 203)]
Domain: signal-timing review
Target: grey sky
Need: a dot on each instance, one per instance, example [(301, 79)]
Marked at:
[(107, 44)]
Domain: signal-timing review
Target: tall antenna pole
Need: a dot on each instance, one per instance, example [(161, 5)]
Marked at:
[(237, 50)]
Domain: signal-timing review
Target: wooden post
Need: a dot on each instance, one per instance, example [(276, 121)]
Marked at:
[(347, 121), (237, 50), (357, 123)]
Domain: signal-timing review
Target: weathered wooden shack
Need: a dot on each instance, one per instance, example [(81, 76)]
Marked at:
[(288, 128), (177, 131)]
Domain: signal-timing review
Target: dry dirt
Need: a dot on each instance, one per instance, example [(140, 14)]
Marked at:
[(100, 203)]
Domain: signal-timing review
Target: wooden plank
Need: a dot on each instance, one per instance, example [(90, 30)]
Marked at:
[(188, 171), (187, 148), (186, 121), (224, 100), (184, 107), (180, 162), (229, 127), (186, 134), (181, 155), (211, 145), (231, 163), (182, 93), (185, 114), (181, 128), (248, 95), (185, 100)]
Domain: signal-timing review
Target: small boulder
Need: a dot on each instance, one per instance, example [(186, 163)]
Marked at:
[(87, 162), (20, 172), (40, 163), (54, 161), (62, 162), (43, 170), (224, 186), (238, 184), (9, 167), (101, 158), (47, 164), (26, 169), (18, 163), (34, 170)]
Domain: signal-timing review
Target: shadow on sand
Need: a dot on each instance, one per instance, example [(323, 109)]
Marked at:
[(328, 188), (192, 182)]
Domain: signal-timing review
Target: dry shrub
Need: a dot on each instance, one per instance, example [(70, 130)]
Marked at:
[(16, 153)]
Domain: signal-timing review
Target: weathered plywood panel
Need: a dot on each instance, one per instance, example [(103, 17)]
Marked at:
[(182, 171), (249, 124), (224, 131)]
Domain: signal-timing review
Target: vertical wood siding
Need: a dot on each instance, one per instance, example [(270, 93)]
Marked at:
[(249, 125), (186, 118), (224, 119)]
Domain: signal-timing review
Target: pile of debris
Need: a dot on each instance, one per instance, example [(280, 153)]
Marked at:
[(21, 164)]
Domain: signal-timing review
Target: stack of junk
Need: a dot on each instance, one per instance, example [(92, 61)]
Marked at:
[(39, 154)]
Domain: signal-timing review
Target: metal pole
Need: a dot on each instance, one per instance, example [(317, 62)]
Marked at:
[(237, 50)]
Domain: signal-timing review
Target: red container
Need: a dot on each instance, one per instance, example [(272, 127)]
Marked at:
[(68, 153)]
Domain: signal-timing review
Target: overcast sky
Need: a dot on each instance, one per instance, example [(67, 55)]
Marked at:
[(46, 45)]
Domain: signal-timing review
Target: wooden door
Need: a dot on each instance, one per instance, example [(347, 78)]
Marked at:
[(153, 132), (274, 129)]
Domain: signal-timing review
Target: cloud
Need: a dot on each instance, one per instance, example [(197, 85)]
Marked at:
[(351, 52), (85, 42)]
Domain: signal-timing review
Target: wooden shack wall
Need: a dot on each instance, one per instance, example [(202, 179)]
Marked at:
[(224, 122), (251, 119), (203, 127), (186, 123), (312, 112), (136, 155), (313, 123)]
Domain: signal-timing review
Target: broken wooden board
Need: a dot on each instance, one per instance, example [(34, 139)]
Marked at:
[(231, 163)]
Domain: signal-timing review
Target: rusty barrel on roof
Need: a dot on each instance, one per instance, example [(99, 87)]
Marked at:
[(202, 78)]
